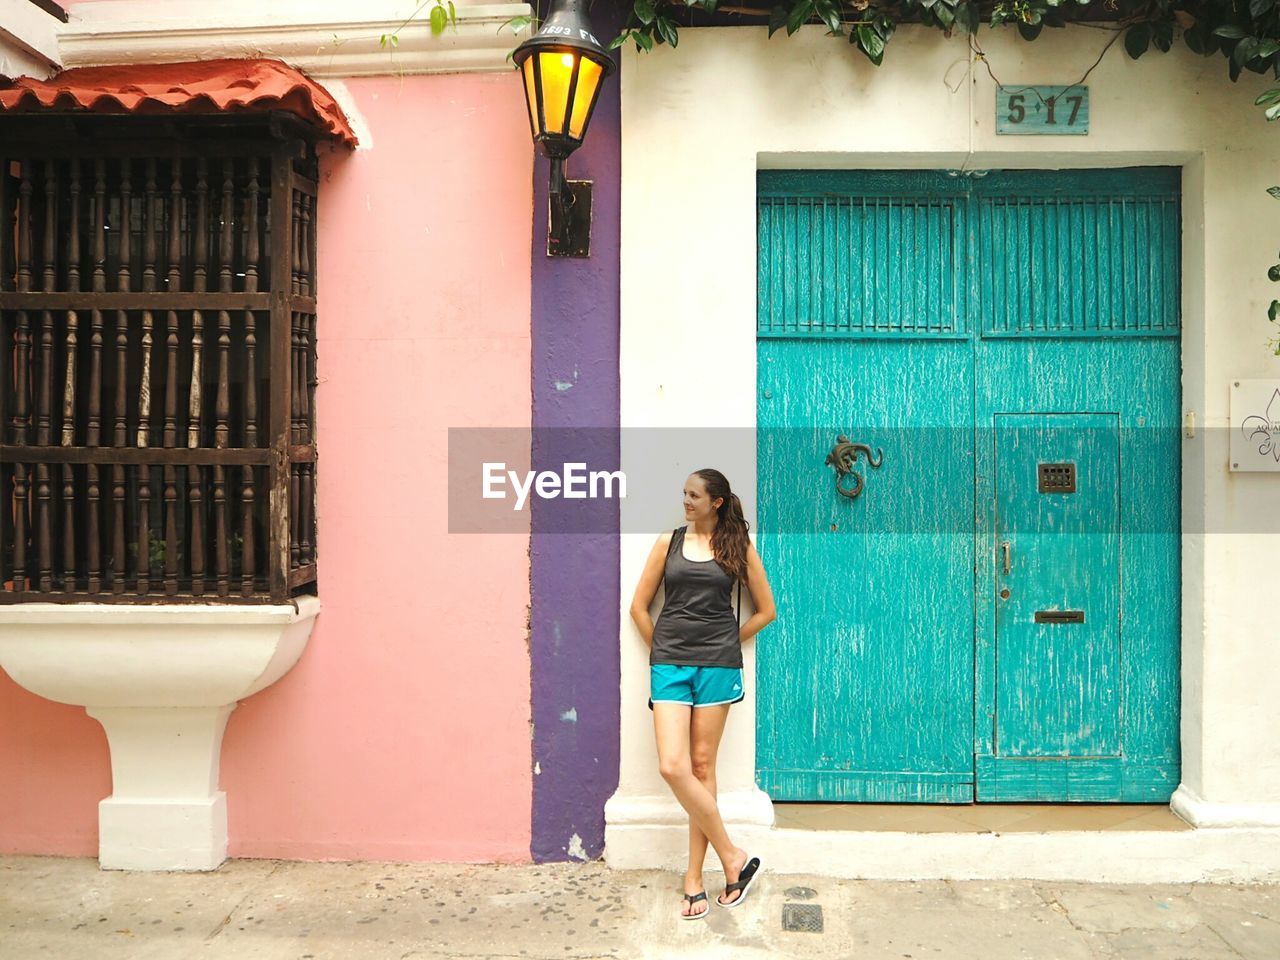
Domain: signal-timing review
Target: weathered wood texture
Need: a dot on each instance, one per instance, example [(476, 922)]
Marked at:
[(899, 672), (157, 366)]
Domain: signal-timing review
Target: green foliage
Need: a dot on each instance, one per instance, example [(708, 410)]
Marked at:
[(443, 14), (1245, 32)]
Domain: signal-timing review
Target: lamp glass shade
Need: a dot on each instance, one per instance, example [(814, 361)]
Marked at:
[(531, 96), (584, 96), (557, 69)]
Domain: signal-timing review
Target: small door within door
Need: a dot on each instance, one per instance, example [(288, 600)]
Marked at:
[(1057, 537)]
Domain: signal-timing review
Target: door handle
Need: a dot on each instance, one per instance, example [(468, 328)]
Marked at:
[(1006, 548)]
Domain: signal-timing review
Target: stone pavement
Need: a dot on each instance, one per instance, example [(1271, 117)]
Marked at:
[(67, 909)]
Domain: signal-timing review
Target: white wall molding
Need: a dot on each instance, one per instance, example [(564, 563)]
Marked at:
[(324, 39), (162, 681), (1090, 856), (749, 807), (28, 39), (1199, 812)]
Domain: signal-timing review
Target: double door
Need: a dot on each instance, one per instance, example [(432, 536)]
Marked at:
[(984, 606)]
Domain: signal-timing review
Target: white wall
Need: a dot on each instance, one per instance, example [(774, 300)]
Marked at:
[(699, 121)]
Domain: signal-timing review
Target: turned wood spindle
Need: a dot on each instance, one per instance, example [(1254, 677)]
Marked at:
[(199, 279), (68, 439), (308, 514), (73, 234), (152, 212), (24, 227), (143, 441), (93, 421), (304, 244), (99, 225), (49, 261), (221, 403), (124, 275), (295, 516), (169, 440), (296, 386), (93, 438), (295, 243), (246, 531), (20, 487)]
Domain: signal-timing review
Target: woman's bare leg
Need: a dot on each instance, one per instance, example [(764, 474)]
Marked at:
[(705, 732), (673, 725)]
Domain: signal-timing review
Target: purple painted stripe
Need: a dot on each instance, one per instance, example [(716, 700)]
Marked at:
[(574, 577)]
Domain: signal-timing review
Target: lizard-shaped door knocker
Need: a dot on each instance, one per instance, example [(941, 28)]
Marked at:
[(843, 456)]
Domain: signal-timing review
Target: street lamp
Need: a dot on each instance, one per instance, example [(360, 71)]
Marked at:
[(563, 65)]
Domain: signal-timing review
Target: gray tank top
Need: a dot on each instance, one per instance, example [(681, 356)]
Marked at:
[(697, 625)]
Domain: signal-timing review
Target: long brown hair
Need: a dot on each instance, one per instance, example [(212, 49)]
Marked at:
[(729, 542)]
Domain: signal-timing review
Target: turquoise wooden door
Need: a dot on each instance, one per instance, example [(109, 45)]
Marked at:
[(992, 336)]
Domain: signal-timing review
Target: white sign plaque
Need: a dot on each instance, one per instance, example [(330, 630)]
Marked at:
[(1255, 425)]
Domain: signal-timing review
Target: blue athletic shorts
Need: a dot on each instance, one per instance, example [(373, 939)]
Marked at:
[(694, 686)]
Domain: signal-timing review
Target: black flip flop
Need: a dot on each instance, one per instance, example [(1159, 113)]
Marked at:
[(749, 871), (694, 898)]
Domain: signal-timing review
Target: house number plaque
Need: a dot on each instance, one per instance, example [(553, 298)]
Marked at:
[(1046, 111)]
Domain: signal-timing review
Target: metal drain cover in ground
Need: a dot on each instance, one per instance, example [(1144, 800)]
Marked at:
[(802, 917)]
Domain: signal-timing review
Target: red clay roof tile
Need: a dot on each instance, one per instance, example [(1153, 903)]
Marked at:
[(205, 86)]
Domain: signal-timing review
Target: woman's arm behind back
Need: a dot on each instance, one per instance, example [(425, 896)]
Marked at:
[(647, 588), (761, 597)]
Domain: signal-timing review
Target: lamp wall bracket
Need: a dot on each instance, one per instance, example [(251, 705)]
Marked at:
[(569, 220)]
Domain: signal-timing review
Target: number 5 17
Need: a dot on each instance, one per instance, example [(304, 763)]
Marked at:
[(1018, 112)]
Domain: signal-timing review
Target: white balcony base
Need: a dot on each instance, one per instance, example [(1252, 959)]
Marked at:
[(162, 681), (162, 834)]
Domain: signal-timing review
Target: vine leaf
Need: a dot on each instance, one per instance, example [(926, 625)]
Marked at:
[(799, 14), (777, 19), (515, 23), (1137, 40), (872, 43)]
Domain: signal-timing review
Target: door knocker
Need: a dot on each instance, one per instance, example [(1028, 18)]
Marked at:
[(843, 456)]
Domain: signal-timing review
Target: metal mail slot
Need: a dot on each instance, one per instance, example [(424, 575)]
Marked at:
[(1059, 616)]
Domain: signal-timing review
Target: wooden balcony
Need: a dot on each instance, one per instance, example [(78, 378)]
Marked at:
[(157, 360)]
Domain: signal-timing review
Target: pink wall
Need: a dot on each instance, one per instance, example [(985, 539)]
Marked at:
[(403, 733)]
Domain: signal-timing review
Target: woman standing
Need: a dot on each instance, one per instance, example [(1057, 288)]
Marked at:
[(696, 665)]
